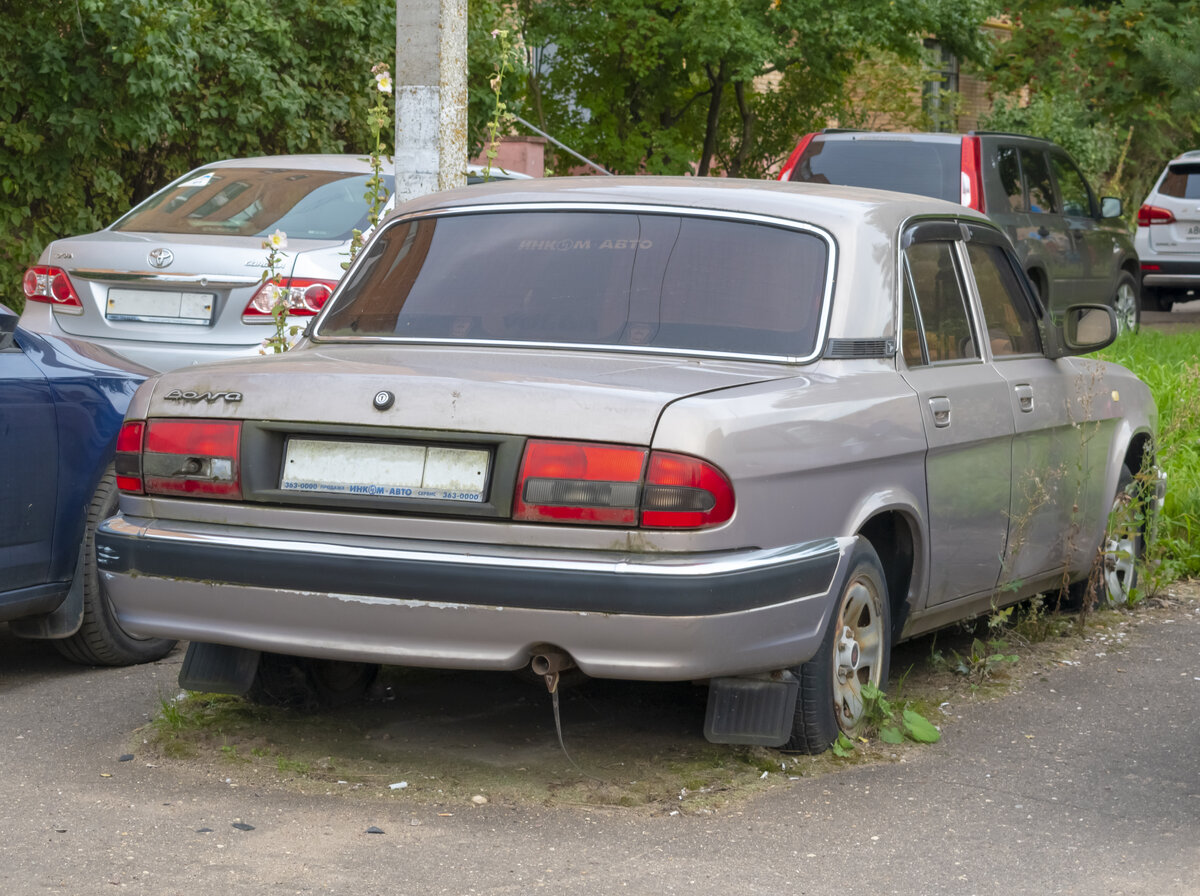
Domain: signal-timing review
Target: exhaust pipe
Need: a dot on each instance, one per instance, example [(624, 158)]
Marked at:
[(548, 663)]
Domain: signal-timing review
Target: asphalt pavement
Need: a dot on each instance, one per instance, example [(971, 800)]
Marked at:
[(1084, 781)]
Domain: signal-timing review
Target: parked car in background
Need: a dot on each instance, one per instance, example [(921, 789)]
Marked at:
[(61, 405), (1073, 247), (666, 429), (1168, 234), (179, 278)]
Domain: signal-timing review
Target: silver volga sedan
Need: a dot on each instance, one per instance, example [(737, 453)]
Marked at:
[(179, 279), (744, 433)]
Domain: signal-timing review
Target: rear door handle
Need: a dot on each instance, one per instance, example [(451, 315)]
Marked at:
[(941, 411), (1024, 397)]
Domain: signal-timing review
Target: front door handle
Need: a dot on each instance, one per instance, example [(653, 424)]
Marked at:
[(941, 411), (1024, 397)]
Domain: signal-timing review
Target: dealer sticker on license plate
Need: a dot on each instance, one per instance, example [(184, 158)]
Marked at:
[(423, 472)]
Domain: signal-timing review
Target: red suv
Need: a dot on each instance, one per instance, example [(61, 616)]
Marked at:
[(1073, 247)]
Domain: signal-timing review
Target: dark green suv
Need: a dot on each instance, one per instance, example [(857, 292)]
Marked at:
[(1073, 246)]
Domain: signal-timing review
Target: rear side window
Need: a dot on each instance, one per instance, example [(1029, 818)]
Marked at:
[(1037, 182), (1182, 181), (589, 278), (315, 205), (937, 325), (928, 168)]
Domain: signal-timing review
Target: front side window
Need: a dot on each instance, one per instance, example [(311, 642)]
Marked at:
[(935, 307), (1076, 199), (584, 277), (1011, 325)]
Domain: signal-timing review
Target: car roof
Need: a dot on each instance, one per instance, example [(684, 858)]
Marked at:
[(331, 162), (1192, 155), (844, 211)]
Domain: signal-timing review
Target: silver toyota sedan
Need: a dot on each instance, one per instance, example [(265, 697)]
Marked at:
[(178, 280), (745, 433)]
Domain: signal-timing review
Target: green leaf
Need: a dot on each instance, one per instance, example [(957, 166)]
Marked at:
[(920, 728), (891, 735), (843, 746)]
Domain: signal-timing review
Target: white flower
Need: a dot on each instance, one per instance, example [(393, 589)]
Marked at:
[(277, 240), (383, 82)]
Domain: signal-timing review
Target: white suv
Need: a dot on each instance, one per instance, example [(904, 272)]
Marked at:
[(1168, 235)]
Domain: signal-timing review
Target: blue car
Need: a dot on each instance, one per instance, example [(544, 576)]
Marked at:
[(61, 405)]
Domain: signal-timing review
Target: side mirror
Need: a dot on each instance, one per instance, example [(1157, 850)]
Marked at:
[(1088, 328), (1110, 207)]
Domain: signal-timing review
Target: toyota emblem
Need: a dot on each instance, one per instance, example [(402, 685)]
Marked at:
[(160, 258)]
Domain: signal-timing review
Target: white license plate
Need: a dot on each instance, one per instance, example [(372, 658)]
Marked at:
[(422, 472), (160, 306)]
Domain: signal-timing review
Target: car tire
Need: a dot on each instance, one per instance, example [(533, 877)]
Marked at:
[(1114, 575), (100, 640), (1127, 304), (856, 648), (309, 684)]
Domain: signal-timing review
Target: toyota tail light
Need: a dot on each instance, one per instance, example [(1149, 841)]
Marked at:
[(304, 297), (790, 165), (52, 286)]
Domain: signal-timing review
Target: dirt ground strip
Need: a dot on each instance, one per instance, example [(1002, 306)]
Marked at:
[(445, 739)]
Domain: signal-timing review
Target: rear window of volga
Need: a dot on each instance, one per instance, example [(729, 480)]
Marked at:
[(589, 278)]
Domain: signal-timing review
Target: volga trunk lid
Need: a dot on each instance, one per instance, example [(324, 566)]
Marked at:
[(558, 394)]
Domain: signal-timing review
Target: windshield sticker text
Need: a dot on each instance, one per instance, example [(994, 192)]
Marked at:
[(569, 245)]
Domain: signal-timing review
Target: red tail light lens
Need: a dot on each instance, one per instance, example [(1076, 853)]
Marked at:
[(577, 482), (1149, 215), (972, 182), (617, 485), (684, 493), (185, 457), (52, 286), (128, 461), (790, 165), (304, 297)]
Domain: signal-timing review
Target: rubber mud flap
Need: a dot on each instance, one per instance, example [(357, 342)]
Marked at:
[(755, 711), (218, 669)]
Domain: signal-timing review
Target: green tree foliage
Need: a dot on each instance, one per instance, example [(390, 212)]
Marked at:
[(104, 101), (1113, 80), (670, 86)]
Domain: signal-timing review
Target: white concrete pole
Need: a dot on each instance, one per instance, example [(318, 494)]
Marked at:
[(431, 96)]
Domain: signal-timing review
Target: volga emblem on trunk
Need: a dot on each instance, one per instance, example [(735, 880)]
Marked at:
[(210, 397)]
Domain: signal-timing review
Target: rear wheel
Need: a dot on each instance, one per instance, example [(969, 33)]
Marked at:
[(856, 650), (311, 684), (100, 640), (1125, 303)]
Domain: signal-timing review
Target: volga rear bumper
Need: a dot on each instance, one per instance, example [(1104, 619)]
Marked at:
[(645, 616)]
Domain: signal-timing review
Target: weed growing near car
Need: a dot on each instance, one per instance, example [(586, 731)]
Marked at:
[(1168, 364)]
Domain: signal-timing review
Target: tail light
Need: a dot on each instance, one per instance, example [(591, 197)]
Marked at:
[(304, 297), (617, 485), (790, 165), (971, 180), (1149, 215), (180, 457), (52, 286)]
